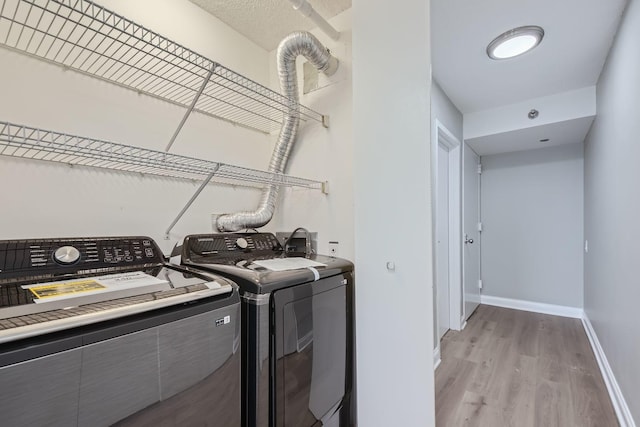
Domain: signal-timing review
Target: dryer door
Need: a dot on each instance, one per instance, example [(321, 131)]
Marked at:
[(313, 348)]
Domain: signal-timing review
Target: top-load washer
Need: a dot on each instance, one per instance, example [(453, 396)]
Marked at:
[(101, 331), (297, 328)]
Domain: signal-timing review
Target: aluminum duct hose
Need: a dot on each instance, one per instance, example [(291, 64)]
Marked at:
[(295, 44)]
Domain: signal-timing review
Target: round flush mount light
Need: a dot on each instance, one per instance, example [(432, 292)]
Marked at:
[(515, 42)]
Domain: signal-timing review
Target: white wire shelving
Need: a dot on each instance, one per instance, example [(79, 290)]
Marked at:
[(38, 144), (85, 37)]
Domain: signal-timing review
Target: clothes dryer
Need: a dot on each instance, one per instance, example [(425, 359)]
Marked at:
[(297, 328)]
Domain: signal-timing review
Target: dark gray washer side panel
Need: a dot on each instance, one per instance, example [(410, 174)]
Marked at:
[(42, 391), (191, 349), (119, 378)]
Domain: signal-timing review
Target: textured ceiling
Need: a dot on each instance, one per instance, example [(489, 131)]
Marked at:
[(266, 22), (578, 35)]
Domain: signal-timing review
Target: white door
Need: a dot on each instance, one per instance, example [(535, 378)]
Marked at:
[(470, 233), (442, 240)]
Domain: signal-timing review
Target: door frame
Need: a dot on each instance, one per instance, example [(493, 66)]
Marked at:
[(442, 135)]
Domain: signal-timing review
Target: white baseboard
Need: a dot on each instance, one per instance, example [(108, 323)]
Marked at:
[(619, 403), (463, 322), (436, 357), (536, 307)]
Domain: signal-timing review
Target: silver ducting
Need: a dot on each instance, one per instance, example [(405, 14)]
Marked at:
[(295, 44)]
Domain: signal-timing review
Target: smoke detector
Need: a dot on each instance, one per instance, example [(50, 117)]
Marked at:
[(515, 42)]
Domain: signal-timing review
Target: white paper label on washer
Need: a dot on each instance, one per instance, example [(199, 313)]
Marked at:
[(284, 264)]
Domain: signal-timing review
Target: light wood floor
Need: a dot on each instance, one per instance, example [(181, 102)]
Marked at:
[(521, 369)]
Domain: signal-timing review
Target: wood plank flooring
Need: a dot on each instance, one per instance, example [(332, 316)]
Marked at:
[(515, 368)]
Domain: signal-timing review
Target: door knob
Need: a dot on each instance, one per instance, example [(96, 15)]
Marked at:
[(467, 240)]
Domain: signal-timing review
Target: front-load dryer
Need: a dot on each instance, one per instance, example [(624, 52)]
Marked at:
[(297, 328)]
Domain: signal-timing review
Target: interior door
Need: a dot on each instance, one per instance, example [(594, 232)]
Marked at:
[(470, 233), (442, 240)]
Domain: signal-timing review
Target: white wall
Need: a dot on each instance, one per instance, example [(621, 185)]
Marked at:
[(556, 108), (612, 210), (445, 111), (391, 79), (532, 215), (48, 200), (325, 154)]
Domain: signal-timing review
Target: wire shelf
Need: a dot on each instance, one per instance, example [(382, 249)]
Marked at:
[(88, 38), (32, 143)]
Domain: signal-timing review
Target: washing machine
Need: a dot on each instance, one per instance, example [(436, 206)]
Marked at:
[(297, 328), (102, 331)]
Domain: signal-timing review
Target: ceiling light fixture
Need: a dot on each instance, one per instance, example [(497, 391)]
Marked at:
[(515, 42)]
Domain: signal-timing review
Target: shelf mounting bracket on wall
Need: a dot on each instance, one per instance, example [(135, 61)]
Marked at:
[(190, 202), (191, 107)]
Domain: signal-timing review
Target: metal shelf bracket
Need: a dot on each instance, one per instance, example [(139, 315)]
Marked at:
[(205, 182), (187, 113)]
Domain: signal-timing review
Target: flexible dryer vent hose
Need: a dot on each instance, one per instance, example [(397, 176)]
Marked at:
[(295, 44)]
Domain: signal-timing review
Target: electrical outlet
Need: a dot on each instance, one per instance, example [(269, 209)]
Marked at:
[(333, 248)]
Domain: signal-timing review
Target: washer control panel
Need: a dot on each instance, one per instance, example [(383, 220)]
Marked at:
[(20, 258)]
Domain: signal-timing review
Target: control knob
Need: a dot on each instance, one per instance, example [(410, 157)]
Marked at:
[(66, 255), (242, 243)]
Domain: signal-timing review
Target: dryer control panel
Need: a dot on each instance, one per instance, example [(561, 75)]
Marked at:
[(225, 248), (45, 258)]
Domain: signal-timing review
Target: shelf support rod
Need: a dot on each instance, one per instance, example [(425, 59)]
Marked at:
[(193, 199), (191, 107)]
